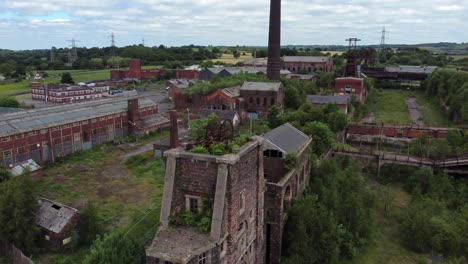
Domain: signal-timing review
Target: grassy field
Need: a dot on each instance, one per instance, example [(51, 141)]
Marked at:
[(458, 57), (126, 193), (229, 58), (333, 52), (385, 247), (388, 107), (432, 112), (54, 77)]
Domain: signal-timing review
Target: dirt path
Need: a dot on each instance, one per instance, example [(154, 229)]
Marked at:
[(413, 110), (139, 150)]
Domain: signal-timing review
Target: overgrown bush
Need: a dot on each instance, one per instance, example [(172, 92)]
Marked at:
[(334, 220)]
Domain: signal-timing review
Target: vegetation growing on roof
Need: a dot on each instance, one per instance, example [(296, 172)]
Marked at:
[(201, 220)]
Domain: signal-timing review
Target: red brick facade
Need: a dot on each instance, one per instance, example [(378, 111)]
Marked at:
[(351, 86), (282, 187), (392, 131), (297, 64), (66, 93), (240, 238), (48, 143)]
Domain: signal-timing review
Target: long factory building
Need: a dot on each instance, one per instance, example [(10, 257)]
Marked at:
[(46, 134)]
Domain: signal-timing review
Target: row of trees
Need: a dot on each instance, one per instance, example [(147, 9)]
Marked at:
[(333, 220), (412, 56), (451, 88), (16, 63), (455, 143)]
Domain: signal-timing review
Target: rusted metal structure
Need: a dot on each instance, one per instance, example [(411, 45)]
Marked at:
[(274, 41)]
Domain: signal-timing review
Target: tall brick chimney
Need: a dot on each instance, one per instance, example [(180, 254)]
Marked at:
[(174, 140), (133, 114), (274, 41)]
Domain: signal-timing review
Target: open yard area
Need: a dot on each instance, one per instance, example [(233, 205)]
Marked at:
[(388, 107), (54, 77), (229, 58), (126, 191)]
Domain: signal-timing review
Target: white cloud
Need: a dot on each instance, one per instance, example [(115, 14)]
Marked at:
[(450, 8), (181, 22)]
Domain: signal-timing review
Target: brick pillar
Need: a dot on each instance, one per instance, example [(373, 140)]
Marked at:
[(134, 70), (174, 137), (133, 115)]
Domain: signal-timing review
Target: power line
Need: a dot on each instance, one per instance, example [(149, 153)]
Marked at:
[(113, 49), (141, 219), (73, 55), (382, 40)]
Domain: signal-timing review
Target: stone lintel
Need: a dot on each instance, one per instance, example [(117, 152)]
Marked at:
[(220, 196), (169, 179)]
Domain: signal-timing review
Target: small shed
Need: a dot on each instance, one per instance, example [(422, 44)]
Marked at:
[(230, 115), (340, 100), (58, 222), (29, 165)]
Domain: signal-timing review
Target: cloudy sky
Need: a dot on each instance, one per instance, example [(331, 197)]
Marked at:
[(31, 24)]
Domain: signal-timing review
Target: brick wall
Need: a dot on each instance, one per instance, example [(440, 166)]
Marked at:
[(389, 131), (242, 216), (261, 101)]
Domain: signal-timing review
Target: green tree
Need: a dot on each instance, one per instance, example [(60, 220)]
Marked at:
[(114, 248), (4, 173), (197, 128), (274, 119), (89, 225), (9, 102), (337, 121), (67, 78), (18, 206), (323, 137)]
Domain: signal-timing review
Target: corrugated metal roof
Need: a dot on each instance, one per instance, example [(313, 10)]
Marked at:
[(325, 99), (30, 165), (4, 110), (287, 138), (42, 118), (232, 91), (313, 59), (261, 86), (411, 69)]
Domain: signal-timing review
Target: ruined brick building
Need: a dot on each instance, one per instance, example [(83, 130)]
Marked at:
[(235, 186), (252, 97), (248, 192), (48, 133), (309, 64), (351, 86)]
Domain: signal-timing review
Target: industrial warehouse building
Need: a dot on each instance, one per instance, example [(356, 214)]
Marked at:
[(48, 133)]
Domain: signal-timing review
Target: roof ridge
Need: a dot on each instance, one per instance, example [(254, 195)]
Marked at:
[(297, 130)]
